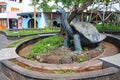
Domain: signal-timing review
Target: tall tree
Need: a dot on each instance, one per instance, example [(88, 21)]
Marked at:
[(78, 5), (83, 6)]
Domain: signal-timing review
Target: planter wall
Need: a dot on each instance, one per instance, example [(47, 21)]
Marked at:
[(22, 36), (15, 72)]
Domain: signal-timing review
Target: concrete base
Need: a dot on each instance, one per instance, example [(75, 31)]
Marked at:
[(8, 53), (111, 60)]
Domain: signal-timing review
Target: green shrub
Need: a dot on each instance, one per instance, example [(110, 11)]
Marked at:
[(107, 27), (46, 45)]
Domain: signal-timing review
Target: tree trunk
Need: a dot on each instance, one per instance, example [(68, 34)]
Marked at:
[(34, 17), (80, 9)]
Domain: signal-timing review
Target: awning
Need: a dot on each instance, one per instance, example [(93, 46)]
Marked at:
[(29, 14), (3, 3)]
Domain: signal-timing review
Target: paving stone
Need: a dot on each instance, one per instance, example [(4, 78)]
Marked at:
[(3, 77), (4, 42), (115, 59), (8, 53)]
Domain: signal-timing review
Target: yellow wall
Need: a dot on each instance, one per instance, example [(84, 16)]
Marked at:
[(14, 9)]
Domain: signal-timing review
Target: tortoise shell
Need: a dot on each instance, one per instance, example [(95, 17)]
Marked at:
[(89, 31)]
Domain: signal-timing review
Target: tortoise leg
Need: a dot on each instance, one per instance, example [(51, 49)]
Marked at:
[(77, 44), (66, 42), (99, 47)]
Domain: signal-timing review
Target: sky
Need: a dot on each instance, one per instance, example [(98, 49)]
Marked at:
[(114, 6), (26, 8)]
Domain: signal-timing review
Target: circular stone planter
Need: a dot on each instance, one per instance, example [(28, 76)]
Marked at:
[(15, 72)]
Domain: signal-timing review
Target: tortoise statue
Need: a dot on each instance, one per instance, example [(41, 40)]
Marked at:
[(82, 33)]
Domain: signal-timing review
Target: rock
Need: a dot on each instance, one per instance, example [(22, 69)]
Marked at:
[(73, 57), (37, 57), (65, 60), (53, 59), (40, 58)]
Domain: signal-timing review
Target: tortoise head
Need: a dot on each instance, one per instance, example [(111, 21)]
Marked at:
[(60, 10)]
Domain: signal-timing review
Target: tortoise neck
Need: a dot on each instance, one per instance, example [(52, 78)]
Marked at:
[(65, 24)]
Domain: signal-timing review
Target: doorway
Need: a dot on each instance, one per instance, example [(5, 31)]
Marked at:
[(31, 23)]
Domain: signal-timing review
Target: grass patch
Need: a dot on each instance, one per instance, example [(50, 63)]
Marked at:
[(20, 40), (30, 31), (46, 45)]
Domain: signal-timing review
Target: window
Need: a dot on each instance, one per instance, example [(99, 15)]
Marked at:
[(20, 1), (0, 9), (13, 0)]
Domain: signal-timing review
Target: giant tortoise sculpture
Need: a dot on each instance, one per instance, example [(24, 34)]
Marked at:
[(82, 33)]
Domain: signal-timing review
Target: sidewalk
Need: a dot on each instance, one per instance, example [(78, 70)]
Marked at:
[(115, 59), (3, 44), (8, 53)]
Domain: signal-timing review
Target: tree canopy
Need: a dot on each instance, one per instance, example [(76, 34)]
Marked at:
[(76, 5)]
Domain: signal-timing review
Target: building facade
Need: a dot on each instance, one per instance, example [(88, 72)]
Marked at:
[(18, 14), (8, 13)]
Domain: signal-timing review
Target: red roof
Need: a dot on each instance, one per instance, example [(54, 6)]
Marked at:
[(3, 3)]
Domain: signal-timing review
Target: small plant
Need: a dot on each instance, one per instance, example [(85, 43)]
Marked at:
[(28, 67), (64, 72), (15, 62), (80, 59), (85, 48), (31, 57)]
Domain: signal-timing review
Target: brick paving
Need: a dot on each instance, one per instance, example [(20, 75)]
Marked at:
[(8, 53), (4, 42)]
